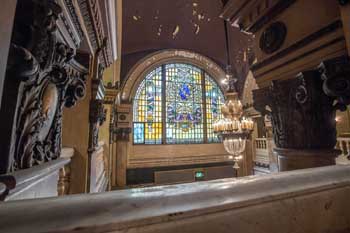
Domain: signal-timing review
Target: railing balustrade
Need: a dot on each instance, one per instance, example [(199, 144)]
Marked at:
[(343, 144)]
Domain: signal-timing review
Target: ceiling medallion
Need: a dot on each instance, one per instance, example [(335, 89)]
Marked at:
[(273, 37)]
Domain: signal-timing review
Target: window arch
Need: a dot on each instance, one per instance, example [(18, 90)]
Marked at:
[(176, 103)]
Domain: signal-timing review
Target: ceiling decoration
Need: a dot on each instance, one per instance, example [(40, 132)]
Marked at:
[(195, 25)]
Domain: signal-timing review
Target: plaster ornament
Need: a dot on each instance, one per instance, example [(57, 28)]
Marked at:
[(176, 31)]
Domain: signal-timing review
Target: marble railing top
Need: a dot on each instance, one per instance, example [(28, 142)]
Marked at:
[(117, 210), (67, 152), (24, 178), (2, 191)]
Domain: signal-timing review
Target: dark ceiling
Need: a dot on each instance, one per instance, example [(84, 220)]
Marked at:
[(151, 25)]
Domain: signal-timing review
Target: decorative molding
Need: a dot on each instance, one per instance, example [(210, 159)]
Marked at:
[(250, 16), (144, 66), (308, 53), (272, 13), (298, 45), (111, 95), (273, 37), (74, 17), (39, 66), (91, 13)]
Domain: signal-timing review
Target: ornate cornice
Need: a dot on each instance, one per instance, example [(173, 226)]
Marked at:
[(74, 16), (91, 13), (248, 15), (111, 95)]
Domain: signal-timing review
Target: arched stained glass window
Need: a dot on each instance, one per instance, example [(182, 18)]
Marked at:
[(176, 104)]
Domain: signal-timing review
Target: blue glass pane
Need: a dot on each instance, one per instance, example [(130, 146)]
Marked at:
[(139, 133), (214, 101)]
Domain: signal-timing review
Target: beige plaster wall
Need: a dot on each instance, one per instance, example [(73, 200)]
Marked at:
[(75, 134), (159, 151), (104, 129)]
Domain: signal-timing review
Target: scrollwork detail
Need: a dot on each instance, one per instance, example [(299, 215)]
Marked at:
[(47, 85)]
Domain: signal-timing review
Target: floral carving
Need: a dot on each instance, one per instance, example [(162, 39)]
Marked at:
[(46, 83)]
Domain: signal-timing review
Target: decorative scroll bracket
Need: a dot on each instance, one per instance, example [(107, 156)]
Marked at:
[(40, 71)]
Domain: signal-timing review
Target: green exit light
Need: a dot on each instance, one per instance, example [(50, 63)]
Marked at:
[(199, 175)]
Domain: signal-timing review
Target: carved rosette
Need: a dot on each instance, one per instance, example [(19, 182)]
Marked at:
[(46, 83), (273, 37)]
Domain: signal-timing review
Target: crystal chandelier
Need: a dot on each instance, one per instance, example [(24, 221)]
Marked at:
[(234, 129)]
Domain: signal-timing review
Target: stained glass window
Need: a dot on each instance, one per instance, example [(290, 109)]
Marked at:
[(176, 104)]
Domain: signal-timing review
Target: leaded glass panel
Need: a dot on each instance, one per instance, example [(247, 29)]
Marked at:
[(181, 93), (184, 123), (214, 101), (148, 109)]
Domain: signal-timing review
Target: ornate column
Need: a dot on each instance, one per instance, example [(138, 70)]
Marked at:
[(122, 132), (302, 111), (97, 116), (110, 99), (302, 73)]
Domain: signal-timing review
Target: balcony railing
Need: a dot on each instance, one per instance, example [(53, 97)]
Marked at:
[(261, 155), (309, 200), (343, 144)]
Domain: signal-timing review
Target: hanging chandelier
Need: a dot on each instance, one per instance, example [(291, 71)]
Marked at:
[(234, 129)]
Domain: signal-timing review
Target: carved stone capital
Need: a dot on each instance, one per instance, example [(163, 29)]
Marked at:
[(302, 115), (122, 134), (97, 117), (97, 112)]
